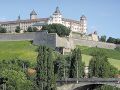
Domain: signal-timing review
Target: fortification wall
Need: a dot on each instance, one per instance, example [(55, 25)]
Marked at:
[(53, 40), (94, 44), (64, 42), (16, 37), (43, 38)]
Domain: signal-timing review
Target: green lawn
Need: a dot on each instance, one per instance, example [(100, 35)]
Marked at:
[(109, 52), (25, 50), (18, 49), (114, 62)]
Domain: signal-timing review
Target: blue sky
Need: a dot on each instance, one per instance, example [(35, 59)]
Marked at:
[(103, 15)]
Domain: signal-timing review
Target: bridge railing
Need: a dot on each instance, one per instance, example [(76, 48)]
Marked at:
[(72, 80)]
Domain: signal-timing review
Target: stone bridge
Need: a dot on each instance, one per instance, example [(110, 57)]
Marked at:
[(74, 84)]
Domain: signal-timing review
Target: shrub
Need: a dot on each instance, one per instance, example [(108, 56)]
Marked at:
[(60, 29)]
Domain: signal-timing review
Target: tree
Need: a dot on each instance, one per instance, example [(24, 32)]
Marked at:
[(61, 67), (77, 66), (117, 41), (17, 30), (13, 71), (50, 71), (103, 38), (45, 69), (99, 65), (117, 48), (111, 40), (29, 29), (16, 80), (60, 29), (32, 29), (2, 30)]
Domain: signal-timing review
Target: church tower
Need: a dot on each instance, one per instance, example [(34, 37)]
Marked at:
[(33, 15), (56, 17), (83, 24)]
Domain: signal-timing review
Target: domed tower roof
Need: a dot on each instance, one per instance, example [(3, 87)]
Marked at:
[(83, 17), (33, 13), (57, 11)]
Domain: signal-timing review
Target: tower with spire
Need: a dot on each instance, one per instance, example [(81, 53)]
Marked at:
[(83, 24), (56, 17), (33, 15)]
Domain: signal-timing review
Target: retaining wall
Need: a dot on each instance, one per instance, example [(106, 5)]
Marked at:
[(53, 40)]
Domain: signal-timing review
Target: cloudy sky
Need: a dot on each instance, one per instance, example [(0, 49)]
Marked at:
[(102, 15)]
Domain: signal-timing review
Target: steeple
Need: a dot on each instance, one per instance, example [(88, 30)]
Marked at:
[(18, 17), (33, 14), (56, 17), (57, 11), (83, 24), (83, 17)]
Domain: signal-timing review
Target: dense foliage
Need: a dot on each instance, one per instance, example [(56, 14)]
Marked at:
[(117, 49), (51, 66), (100, 67), (17, 30), (32, 29), (15, 72), (60, 29), (103, 38), (61, 67), (45, 69), (76, 66), (113, 40), (2, 30)]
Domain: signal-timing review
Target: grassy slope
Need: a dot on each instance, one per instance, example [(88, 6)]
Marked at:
[(109, 52), (17, 49), (113, 55), (87, 58), (25, 50)]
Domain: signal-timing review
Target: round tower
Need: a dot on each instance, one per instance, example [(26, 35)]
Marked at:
[(83, 24), (33, 15), (57, 16)]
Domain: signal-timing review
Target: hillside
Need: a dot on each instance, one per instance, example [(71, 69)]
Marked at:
[(25, 50), (113, 55), (18, 49), (114, 62), (109, 52)]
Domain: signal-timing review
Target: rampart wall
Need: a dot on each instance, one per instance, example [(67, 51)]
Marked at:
[(53, 40), (16, 37)]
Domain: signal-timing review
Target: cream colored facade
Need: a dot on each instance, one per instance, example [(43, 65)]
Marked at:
[(76, 26), (79, 26)]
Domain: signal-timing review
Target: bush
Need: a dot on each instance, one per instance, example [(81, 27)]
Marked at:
[(60, 29), (32, 29), (17, 30), (117, 49), (3, 30)]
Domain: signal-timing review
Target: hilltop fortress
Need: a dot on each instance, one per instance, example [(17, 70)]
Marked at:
[(78, 35), (78, 28)]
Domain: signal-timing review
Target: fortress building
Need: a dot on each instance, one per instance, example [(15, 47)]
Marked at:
[(76, 26)]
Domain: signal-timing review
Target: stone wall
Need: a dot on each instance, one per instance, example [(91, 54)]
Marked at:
[(94, 44), (43, 38), (53, 40), (17, 37)]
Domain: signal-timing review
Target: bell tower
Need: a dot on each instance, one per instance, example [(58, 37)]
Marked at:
[(33, 15), (57, 16), (83, 24)]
